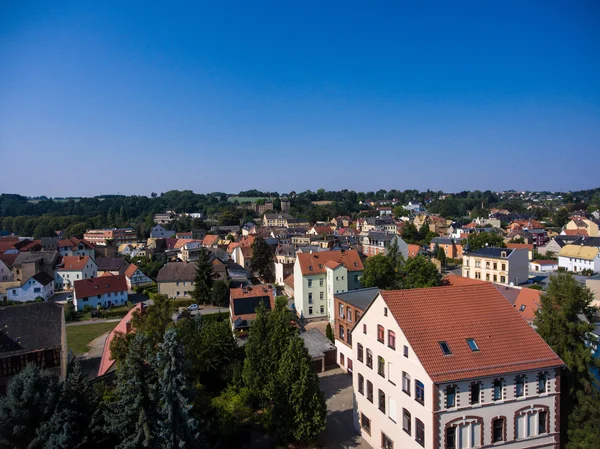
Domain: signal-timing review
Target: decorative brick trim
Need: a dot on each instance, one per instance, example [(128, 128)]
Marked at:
[(530, 409), (469, 418), (503, 418)]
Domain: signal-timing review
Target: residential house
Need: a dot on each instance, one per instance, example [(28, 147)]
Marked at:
[(384, 210), (574, 233), (527, 225), (210, 241), (6, 274), (40, 285), (190, 252), (321, 231), (527, 302), (185, 235), (242, 255), (594, 286), (107, 362), (73, 268), (553, 246), (75, 247), (158, 232), (285, 256), (32, 333), (349, 306), (528, 247), (115, 235), (453, 248), (341, 221), (318, 276), (105, 291), (379, 243), (540, 237), (499, 265), (576, 258), (249, 229), (281, 220), (136, 278), (543, 266), (29, 263), (49, 243), (244, 301), (176, 279), (111, 265), (437, 368), (165, 218), (583, 224)]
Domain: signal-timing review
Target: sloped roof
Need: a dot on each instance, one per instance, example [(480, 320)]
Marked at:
[(8, 259), (43, 278), (74, 263), (492, 252), (45, 257), (110, 263), (528, 246), (106, 362), (413, 250), (245, 300), (210, 239), (527, 303), (479, 312), (98, 286), (315, 263), (361, 299), (30, 327), (579, 252), (177, 271), (576, 232), (130, 271)]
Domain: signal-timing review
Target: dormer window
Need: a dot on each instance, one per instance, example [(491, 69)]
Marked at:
[(503, 254), (310, 268)]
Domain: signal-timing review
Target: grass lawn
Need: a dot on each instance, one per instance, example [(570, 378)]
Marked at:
[(79, 337)]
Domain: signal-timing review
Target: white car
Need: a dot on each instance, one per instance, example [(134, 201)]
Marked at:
[(193, 307), (70, 298)]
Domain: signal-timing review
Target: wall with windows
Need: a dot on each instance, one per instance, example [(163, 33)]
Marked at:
[(310, 294), (516, 410), (337, 282), (393, 370), (104, 300)]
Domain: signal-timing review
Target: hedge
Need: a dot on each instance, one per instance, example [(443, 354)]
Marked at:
[(215, 317), (113, 314)]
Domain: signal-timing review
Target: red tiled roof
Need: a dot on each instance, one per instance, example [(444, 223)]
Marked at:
[(333, 264), (107, 361), (8, 259), (247, 240), (545, 262), (528, 300), (528, 246), (250, 292), (65, 243), (471, 225), (130, 271), (98, 286), (428, 316), (74, 263), (289, 281), (457, 281), (6, 245), (247, 251), (210, 239), (315, 263), (322, 229), (413, 250), (232, 246), (28, 245), (576, 232)]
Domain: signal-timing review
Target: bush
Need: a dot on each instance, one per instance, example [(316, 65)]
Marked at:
[(535, 287), (69, 312), (87, 308), (184, 302), (113, 314), (215, 317)]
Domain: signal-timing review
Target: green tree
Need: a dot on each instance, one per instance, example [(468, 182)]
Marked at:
[(256, 363), (379, 272), (478, 240), (517, 240), (231, 410), (220, 293), (584, 422), (178, 427), (70, 425), (329, 333), (299, 405), (419, 272), (400, 212), (30, 400), (441, 256), (561, 217), (559, 321), (262, 260), (203, 281)]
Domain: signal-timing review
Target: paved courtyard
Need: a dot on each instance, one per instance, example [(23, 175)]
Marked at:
[(340, 433)]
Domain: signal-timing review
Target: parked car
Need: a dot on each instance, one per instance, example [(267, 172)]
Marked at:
[(193, 307), (70, 298)]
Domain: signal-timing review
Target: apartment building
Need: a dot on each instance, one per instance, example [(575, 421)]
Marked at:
[(106, 291), (117, 235), (435, 369), (452, 247), (318, 276), (499, 265), (349, 307), (379, 242)]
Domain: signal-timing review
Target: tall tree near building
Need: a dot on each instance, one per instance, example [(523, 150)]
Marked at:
[(563, 320), (177, 427), (478, 240), (256, 363), (220, 293), (203, 281), (329, 333), (30, 400), (262, 260), (379, 272), (419, 272), (441, 256)]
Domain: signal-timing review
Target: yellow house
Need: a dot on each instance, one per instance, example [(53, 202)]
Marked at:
[(583, 224)]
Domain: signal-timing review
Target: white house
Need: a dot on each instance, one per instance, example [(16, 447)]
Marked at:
[(158, 232), (76, 247), (74, 268), (576, 258), (318, 276), (6, 274), (104, 291), (40, 285), (136, 278), (438, 368), (543, 266), (500, 265)]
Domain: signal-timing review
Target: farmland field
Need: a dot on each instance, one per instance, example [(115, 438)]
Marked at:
[(246, 199)]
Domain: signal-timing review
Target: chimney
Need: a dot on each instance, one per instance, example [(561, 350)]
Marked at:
[(128, 326)]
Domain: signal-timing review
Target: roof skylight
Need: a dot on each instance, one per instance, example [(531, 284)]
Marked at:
[(472, 344), (445, 348)]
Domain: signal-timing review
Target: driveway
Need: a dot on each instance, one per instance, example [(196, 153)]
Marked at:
[(339, 433)]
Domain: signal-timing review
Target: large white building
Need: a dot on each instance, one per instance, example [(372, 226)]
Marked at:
[(453, 368), (105, 291), (576, 258), (318, 276), (40, 285), (499, 265), (74, 268)]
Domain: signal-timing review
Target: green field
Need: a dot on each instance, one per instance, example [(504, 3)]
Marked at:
[(79, 337), (246, 199)]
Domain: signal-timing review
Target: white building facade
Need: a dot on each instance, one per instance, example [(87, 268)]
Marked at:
[(39, 286), (74, 268)]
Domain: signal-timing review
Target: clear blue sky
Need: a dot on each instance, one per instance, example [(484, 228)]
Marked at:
[(106, 97)]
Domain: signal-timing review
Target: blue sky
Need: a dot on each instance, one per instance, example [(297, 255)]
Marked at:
[(130, 97)]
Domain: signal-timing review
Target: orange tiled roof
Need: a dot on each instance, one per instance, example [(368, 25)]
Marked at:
[(576, 232), (528, 300), (232, 246), (315, 263), (106, 361), (74, 263), (413, 250), (250, 292), (457, 281), (131, 269), (528, 246), (477, 311), (289, 281), (210, 239)]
